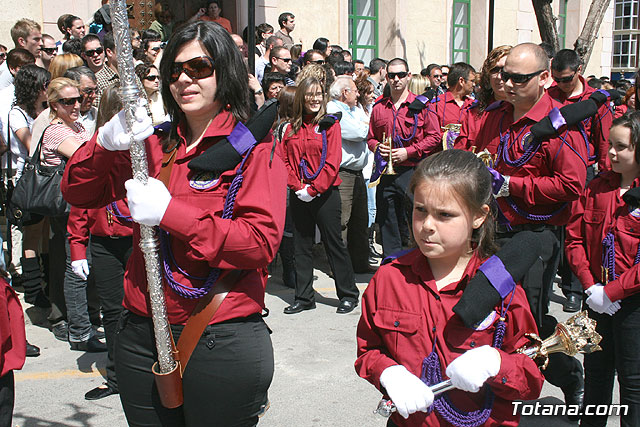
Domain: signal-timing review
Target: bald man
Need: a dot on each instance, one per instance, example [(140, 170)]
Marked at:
[(537, 182)]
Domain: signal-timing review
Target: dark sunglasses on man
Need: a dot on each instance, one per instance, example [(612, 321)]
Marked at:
[(566, 79), (156, 49), (49, 50), (199, 67), (518, 78), (318, 61), (92, 52), (400, 75)]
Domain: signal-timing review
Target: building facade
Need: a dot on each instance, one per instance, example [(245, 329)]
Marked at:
[(422, 31)]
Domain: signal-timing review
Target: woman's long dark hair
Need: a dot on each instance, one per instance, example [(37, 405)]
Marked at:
[(30, 81), (232, 78)]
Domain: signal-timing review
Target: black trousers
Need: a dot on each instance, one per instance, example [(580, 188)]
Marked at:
[(563, 371), (393, 206), (225, 383), (620, 351), (323, 211), (7, 398), (110, 258), (355, 218)]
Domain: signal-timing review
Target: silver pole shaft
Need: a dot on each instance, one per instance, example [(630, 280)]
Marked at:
[(148, 240)]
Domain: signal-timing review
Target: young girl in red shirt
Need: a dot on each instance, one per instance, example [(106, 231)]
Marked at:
[(603, 248), (408, 335)]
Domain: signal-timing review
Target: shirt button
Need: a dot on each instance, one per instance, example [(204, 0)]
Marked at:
[(433, 329), (396, 323), (472, 344), (437, 297), (504, 380)]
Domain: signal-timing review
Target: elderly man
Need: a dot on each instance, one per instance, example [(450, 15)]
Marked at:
[(354, 126), (535, 192)]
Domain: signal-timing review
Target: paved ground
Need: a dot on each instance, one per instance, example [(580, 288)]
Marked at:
[(315, 384)]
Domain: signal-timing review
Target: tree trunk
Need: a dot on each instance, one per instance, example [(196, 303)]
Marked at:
[(546, 22), (584, 44)]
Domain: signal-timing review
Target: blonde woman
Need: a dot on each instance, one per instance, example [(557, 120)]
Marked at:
[(418, 84), (61, 63)]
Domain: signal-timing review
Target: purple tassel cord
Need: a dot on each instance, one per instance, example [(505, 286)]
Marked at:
[(609, 257), (214, 274), (304, 166), (113, 210)]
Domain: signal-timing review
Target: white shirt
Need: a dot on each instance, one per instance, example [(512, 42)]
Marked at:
[(17, 119), (6, 78), (354, 126)]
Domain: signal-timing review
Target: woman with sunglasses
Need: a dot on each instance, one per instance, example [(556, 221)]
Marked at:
[(491, 93), (312, 153), (60, 141), (150, 78), (205, 89)]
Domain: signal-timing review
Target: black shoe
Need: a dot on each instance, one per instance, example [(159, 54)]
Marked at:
[(574, 396), (92, 345), (298, 307), (32, 350), (61, 330), (572, 304), (346, 306), (99, 392)]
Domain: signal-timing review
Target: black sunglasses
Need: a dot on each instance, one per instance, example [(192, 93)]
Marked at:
[(156, 49), (89, 91), (152, 78), (70, 101), (518, 78), (199, 67), (566, 79), (49, 50), (400, 75), (94, 51), (285, 59), (319, 62)]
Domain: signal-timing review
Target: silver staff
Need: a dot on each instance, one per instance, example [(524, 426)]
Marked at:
[(148, 241)]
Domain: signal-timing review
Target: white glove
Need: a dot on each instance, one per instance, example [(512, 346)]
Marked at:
[(113, 135), (407, 391), (81, 268), (599, 302), (149, 202), (304, 195), (469, 371)]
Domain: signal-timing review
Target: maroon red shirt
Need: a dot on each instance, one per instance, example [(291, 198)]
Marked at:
[(200, 239), (307, 144), (387, 120), (404, 317), (595, 130), (600, 210), (447, 109), (98, 222), (551, 179)]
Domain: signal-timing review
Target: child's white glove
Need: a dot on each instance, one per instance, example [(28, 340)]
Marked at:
[(81, 268), (407, 391), (113, 135), (149, 202), (304, 195), (599, 302), (469, 371)]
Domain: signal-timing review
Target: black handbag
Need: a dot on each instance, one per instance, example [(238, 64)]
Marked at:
[(38, 189), (14, 214)]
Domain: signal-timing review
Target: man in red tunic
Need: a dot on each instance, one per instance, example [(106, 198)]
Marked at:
[(450, 106), (415, 135), (535, 182)]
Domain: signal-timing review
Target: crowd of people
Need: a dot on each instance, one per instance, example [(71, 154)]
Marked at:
[(440, 168)]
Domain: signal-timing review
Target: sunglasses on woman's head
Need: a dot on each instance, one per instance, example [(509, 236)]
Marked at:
[(152, 78), (199, 67), (70, 101)]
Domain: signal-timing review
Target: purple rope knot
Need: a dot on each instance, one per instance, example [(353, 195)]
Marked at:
[(214, 273)]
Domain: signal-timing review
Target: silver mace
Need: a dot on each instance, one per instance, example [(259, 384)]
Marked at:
[(148, 241), (576, 335)]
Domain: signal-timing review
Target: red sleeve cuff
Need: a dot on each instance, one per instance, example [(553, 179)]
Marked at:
[(516, 184), (614, 290), (312, 191), (412, 151), (78, 251)]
